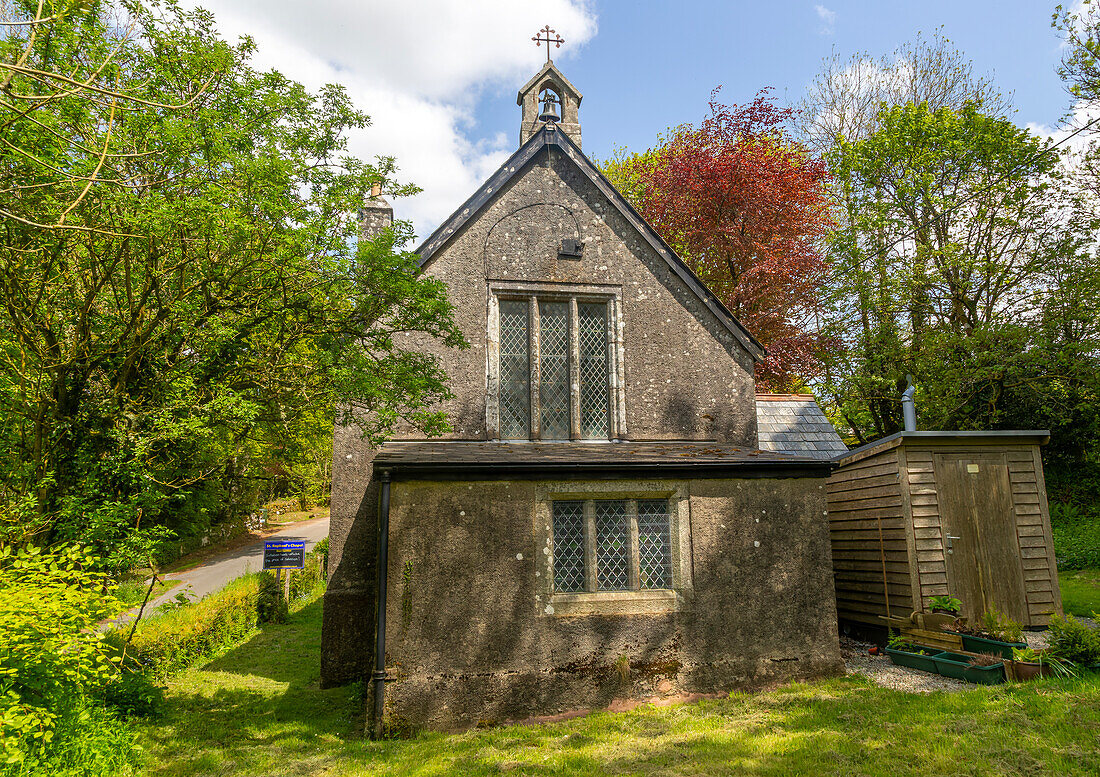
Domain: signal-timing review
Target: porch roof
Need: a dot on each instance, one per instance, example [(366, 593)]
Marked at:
[(480, 460)]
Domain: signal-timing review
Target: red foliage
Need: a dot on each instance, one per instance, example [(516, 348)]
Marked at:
[(747, 208)]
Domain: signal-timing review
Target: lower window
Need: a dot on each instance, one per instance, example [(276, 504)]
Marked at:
[(612, 545)]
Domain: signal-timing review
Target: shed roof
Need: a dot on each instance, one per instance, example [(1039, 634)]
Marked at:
[(947, 438), (475, 460), (794, 424)]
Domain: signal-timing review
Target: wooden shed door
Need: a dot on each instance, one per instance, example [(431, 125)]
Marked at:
[(983, 563)]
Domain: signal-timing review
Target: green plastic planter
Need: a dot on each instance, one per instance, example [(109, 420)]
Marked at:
[(983, 645), (959, 667), (912, 660)]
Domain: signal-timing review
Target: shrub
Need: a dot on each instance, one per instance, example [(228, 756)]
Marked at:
[(92, 742), (271, 606), (52, 659), (173, 640), (303, 581), (1076, 532), (133, 694), (1073, 641)]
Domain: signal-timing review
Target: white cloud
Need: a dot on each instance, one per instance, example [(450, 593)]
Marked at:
[(828, 19), (1077, 142), (416, 67)]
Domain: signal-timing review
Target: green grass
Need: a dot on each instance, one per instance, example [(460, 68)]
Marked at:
[(1080, 591), (257, 710)]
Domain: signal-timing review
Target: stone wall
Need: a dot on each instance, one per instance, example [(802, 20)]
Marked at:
[(470, 638), (685, 375)]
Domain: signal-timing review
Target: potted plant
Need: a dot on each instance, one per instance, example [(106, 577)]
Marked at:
[(904, 653), (994, 634), (1028, 664), (945, 605)]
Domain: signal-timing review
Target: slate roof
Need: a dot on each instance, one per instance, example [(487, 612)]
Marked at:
[(794, 424), (548, 136), (476, 459)]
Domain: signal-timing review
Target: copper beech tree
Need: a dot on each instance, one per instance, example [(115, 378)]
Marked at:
[(747, 207)]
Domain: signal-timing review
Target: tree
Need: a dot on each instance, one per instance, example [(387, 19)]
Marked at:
[(846, 98), (1080, 68), (942, 265), (181, 287), (747, 208)]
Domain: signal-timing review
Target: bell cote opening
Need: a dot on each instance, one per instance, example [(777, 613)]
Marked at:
[(549, 98)]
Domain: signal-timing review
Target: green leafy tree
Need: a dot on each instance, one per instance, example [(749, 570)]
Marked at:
[(183, 298), (943, 266), (1079, 26)]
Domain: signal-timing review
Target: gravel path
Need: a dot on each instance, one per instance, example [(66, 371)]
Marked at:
[(881, 671)]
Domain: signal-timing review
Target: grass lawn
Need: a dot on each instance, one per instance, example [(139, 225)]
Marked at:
[(257, 710), (1080, 591)]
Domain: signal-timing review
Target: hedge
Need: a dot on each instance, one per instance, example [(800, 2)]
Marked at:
[(175, 639)]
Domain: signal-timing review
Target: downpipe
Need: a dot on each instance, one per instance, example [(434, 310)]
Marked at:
[(378, 676)]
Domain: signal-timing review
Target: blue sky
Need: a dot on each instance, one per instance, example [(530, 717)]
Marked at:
[(653, 64), (439, 77)]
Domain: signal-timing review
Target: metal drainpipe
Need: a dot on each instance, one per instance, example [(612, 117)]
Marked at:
[(378, 677), (908, 407)]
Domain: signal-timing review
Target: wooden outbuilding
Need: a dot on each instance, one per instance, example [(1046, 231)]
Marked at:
[(920, 514)]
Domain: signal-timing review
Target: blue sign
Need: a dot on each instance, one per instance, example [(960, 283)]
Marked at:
[(284, 554)]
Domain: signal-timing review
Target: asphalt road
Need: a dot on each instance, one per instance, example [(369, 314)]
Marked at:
[(218, 570)]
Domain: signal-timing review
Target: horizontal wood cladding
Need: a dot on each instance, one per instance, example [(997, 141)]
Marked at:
[(1028, 508), (867, 525), (885, 522)]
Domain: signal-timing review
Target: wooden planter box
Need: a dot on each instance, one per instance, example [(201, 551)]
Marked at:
[(1022, 671)]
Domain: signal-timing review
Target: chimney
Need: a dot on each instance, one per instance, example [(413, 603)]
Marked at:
[(375, 215), (908, 406)]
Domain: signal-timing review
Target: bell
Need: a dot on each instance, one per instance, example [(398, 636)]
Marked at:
[(549, 108)]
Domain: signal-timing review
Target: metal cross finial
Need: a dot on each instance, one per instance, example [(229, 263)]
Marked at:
[(557, 40)]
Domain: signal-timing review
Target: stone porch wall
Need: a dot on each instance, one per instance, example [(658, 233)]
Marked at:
[(470, 638)]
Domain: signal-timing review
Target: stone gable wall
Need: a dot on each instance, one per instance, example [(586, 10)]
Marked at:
[(686, 376)]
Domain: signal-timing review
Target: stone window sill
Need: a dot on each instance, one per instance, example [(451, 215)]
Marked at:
[(615, 603)]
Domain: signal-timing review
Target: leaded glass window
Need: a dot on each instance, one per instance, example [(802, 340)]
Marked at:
[(569, 546), (515, 371), (612, 545), (555, 368), (592, 337), (654, 544)]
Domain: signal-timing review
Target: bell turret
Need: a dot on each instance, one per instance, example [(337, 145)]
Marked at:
[(549, 98)]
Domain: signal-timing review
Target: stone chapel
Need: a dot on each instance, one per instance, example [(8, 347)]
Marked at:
[(600, 523)]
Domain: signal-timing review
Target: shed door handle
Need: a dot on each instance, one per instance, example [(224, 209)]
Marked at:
[(950, 537)]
